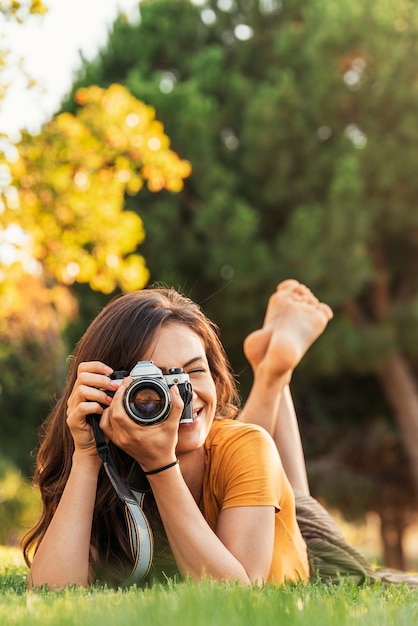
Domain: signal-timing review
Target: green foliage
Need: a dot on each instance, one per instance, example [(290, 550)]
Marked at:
[(25, 399), (302, 149), (19, 504), (32, 362)]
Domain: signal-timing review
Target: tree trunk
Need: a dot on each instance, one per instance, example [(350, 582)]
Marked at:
[(399, 387), (392, 533), (400, 390)]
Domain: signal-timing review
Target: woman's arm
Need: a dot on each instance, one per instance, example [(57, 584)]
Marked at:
[(197, 549), (270, 405), (63, 554), (238, 551), (62, 557)]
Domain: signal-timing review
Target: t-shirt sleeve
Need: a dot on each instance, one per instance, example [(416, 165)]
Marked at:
[(251, 471)]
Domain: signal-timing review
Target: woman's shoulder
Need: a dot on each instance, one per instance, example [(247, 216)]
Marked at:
[(237, 452), (226, 432)]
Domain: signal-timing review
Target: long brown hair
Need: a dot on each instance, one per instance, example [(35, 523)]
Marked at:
[(119, 336)]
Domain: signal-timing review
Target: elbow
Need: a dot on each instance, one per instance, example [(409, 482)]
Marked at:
[(54, 583)]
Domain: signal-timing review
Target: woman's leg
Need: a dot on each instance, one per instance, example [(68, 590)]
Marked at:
[(294, 320)]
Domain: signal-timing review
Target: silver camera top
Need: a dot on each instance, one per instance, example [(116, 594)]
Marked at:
[(146, 368), (175, 375)]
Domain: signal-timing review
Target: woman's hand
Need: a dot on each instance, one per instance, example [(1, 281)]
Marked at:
[(151, 446), (87, 397), (63, 555)]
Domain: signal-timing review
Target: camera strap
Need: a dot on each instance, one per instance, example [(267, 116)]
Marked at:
[(139, 531)]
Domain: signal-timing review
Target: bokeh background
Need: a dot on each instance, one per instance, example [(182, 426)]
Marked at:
[(220, 146)]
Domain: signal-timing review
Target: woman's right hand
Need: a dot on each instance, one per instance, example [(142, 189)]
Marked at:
[(88, 398)]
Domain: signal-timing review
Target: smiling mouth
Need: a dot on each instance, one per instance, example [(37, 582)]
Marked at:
[(197, 414), (194, 418)]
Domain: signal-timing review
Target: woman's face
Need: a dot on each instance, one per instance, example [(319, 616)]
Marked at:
[(177, 345)]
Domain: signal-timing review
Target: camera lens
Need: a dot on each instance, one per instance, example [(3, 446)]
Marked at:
[(148, 403)]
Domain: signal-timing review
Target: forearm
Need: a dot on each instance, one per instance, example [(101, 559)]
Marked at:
[(197, 550), (289, 444), (62, 557)]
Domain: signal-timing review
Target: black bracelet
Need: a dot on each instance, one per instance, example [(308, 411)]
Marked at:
[(161, 469)]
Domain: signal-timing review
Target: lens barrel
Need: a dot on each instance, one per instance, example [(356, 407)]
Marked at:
[(147, 401)]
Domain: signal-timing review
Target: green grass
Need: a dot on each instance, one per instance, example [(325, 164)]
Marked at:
[(206, 604)]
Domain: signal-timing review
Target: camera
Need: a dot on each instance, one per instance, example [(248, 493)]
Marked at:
[(147, 400)]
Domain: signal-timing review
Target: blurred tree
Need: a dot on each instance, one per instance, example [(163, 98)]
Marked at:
[(64, 193), (63, 221), (32, 360), (20, 504), (298, 118), (13, 360)]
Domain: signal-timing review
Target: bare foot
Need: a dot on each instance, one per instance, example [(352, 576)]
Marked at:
[(294, 320)]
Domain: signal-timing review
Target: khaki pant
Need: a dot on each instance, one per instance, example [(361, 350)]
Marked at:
[(331, 558)]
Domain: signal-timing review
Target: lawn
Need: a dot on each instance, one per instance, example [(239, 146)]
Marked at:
[(206, 603)]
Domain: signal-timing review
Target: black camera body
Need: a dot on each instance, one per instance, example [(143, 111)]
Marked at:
[(147, 400)]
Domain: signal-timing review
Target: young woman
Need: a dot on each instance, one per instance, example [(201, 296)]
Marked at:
[(207, 510), (222, 498)]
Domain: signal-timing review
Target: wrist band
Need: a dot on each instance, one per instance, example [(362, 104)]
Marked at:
[(161, 469)]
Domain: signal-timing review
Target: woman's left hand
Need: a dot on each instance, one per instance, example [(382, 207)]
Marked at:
[(151, 446)]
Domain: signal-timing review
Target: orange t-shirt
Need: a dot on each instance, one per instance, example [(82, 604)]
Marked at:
[(243, 468)]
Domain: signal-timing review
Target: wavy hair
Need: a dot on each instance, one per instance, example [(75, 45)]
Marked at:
[(119, 336)]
